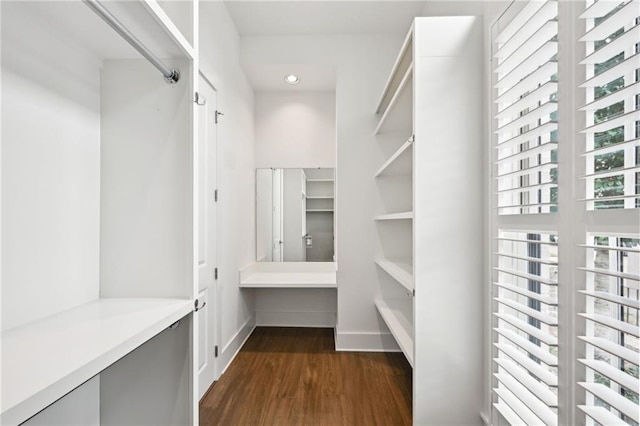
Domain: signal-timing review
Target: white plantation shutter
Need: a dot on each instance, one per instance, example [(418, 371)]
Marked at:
[(526, 327), (525, 266), (612, 182), (612, 90), (526, 110)]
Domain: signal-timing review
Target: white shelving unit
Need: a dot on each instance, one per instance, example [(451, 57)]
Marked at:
[(429, 126), (98, 183)]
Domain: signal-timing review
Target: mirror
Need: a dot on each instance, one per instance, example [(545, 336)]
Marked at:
[(295, 215)]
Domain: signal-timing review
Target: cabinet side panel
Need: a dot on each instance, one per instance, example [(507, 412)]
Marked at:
[(81, 406), (152, 385), (50, 168), (448, 225), (146, 182)]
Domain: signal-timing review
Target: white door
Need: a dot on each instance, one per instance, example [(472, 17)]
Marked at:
[(277, 215), (207, 188)]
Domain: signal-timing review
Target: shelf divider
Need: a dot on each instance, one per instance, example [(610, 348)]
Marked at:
[(395, 216), (398, 315)]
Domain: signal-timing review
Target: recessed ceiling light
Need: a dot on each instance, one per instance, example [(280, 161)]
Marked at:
[(291, 79)]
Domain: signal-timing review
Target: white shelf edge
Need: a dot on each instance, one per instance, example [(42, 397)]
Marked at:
[(318, 210), (46, 359), (394, 312), (405, 146), (396, 64), (394, 99), (399, 273), (293, 285), (320, 197), (395, 216), (320, 180)]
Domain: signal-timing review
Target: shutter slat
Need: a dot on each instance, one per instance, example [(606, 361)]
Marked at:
[(621, 69), (621, 326), (533, 367), (622, 17), (514, 411), (613, 398), (547, 319), (536, 388), (548, 11), (544, 54), (526, 188), (601, 415), (632, 143), (612, 373), (539, 94), (547, 300), (539, 76), (529, 347), (609, 173), (512, 28), (539, 408), (530, 277), (612, 123), (546, 31), (612, 98), (617, 46), (525, 241), (529, 152), (532, 331), (600, 8), (620, 300), (599, 271), (529, 118), (528, 259), (612, 348), (531, 135)]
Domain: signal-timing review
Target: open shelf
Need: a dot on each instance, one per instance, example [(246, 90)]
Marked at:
[(400, 162), (46, 359), (395, 216), (319, 210), (320, 180), (320, 197), (406, 78), (398, 315), (399, 269), (289, 275)]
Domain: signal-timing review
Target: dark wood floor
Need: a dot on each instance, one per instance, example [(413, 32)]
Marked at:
[(293, 376)]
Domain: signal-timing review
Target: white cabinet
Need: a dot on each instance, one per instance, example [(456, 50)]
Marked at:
[(97, 216), (429, 218)]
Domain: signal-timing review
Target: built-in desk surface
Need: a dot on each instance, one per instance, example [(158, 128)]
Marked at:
[(289, 275)]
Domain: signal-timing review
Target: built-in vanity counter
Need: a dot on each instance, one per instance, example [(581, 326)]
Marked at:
[(289, 275)]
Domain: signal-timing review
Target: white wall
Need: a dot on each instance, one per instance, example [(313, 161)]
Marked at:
[(50, 170), (219, 47), (295, 130)]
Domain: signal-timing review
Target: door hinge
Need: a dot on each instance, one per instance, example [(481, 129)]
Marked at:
[(215, 273), (218, 114), (199, 100), (215, 195), (215, 351)]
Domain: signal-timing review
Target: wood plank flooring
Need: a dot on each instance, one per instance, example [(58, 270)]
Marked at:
[(293, 376)]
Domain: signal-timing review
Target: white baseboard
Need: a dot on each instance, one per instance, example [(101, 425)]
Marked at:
[(231, 349), (295, 319), (365, 342)]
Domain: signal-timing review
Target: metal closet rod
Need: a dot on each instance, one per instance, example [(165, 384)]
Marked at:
[(171, 76)]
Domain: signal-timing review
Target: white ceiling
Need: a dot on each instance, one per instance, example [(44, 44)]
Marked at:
[(270, 77), (307, 17)]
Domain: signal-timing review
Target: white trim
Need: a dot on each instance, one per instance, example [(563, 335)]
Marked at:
[(365, 342), (231, 349), (295, 319)]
